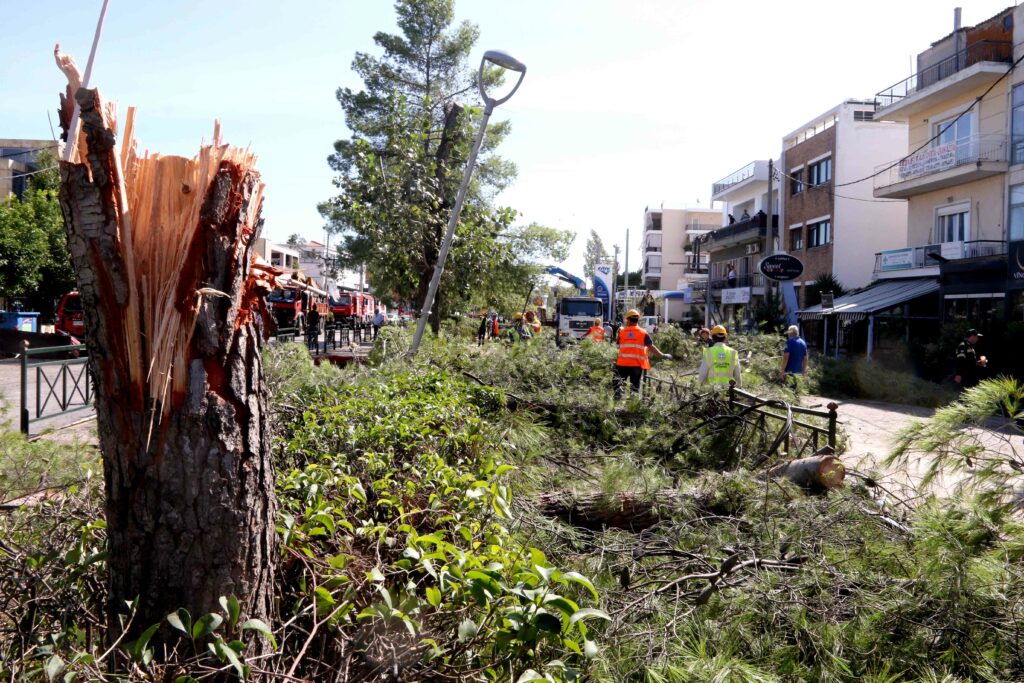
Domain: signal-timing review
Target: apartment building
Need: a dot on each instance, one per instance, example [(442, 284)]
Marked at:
[(18, 160), (962, 172), (830, 221), (670, 263), (737, 246)]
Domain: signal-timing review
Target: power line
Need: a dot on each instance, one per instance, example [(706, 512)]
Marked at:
[(27, 151), (831, 189), (25, 175)]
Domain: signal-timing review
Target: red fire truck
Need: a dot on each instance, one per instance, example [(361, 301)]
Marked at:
[(353, 308), (294, 300), (69, 315)]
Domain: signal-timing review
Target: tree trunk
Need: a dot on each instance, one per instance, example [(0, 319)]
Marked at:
[(190, 502), (622, 510), (816, 473)]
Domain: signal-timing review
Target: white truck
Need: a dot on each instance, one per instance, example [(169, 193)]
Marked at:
[(576, 314)]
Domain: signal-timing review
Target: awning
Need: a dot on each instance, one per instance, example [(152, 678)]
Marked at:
[(677, 295), (878, 297)]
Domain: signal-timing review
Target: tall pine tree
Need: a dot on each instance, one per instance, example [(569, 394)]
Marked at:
[(399, 172)]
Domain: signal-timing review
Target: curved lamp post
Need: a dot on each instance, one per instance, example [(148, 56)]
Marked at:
[(506, 61)]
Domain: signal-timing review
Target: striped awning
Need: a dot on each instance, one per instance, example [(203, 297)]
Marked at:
[(878, 297)]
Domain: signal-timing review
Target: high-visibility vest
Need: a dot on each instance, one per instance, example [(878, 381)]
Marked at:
[(721, 362), (632, 350), (596, 332), (496, 330)]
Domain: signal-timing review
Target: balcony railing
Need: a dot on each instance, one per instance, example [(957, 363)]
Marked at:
[(748, 280), (972, 150), (895, 260), (982, 51), (759, 221), (734, 178)]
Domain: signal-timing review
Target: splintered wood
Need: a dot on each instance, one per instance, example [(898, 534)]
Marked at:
[(159, 201)]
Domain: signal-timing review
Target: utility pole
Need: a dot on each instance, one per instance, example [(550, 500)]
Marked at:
[(625, 275), (769, 233), (615, 284)]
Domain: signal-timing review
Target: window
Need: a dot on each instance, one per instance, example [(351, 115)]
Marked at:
[(819, 234), (796, 239), (953, 225), (958, 131), (863, 116), (1016, 230), (820, 172), (796, 182), (1017, 125)]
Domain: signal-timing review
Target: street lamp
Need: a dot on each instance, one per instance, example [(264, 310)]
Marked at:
[(506, 61)]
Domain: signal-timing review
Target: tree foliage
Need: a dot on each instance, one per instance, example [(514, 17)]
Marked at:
[(593, 255), (826, 282), (35, 266), (399, 172)]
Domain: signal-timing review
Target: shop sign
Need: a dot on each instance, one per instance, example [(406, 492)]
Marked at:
[(737, 295), (929, 161), (781, 267), (896, 259), (1016, 260)]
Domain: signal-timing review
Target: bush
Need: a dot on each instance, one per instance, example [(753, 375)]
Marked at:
[(873, 381)]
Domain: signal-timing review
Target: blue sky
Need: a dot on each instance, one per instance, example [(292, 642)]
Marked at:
[(626, 103)]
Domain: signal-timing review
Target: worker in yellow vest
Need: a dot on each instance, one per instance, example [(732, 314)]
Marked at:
[(596, 331), (720, 363), (634, 344), (533, 321)]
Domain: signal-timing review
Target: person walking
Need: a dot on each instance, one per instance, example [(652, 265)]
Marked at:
[(794, 357), (596, 331), (378, 322), (719, 363), (968, 364), (633, 360), (704, 338)]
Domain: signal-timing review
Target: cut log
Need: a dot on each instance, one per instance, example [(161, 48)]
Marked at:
[(816, 473), (161, 248)]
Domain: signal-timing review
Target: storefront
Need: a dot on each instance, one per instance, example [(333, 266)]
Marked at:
[(881, 316)]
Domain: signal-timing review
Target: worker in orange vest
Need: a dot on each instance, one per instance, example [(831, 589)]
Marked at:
[(596, 331), (634, 343)]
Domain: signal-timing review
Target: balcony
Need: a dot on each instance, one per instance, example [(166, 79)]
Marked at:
[(978, 64), (700, 229), (741, 231), (753, 172), (977, 157), (754, 280), (924, 261)]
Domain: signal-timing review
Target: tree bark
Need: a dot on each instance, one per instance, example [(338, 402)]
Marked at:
[(816, 473), (190, 502)]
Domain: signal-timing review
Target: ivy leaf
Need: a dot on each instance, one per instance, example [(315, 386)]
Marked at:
[(231, 608), (433, 596), (54, 665)]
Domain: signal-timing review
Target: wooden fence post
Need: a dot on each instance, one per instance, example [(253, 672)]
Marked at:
[(832, 408)]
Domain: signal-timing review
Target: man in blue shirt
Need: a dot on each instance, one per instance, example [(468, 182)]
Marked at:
[(794, 358)]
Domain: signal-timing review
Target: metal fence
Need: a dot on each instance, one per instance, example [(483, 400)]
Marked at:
[(763, 410), (63, 384)]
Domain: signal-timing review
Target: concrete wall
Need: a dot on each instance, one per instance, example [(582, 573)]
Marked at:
[(987, 200), (866, 226)]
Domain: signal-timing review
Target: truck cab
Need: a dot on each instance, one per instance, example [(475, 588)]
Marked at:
[(575, 316)]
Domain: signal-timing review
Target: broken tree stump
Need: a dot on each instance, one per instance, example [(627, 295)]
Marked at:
[(161, 247)]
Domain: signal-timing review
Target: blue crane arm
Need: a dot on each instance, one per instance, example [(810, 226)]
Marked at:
[(579, 283)]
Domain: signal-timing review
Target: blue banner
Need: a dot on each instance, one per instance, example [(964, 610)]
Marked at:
[(602, 288)]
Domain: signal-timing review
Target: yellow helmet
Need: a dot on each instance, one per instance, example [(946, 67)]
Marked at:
[(719, 330), (517, 316), (597, 321), (632, 313)]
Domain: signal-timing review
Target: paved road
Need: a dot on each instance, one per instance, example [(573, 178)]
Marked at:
[(872, 427)]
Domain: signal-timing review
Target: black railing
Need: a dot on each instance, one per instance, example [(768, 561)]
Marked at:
[(63, 382), (748, 280), (981, 51), (743, 403), (759, 222)]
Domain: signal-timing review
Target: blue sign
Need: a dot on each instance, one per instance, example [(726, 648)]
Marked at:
[(602, 288)]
